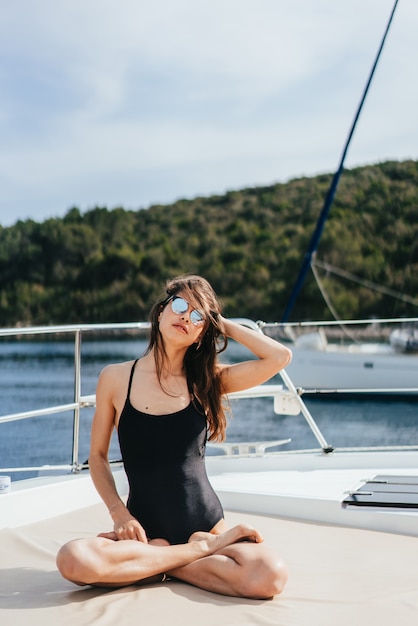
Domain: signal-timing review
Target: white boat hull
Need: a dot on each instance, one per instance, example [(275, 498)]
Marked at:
[(335, 370)]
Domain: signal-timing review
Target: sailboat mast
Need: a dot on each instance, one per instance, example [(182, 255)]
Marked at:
[(334, 184)]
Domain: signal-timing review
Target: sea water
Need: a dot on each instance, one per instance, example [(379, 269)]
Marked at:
[(38, 374)]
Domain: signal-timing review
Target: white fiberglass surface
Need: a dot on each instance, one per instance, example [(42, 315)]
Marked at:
[(322, 484)]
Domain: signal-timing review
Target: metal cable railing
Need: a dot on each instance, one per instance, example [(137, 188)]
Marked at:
[(77, 330), (286, 401)]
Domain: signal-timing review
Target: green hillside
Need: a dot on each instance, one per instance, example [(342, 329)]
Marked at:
[(108, 265)]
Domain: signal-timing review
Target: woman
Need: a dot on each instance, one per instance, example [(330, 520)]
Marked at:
[(164, 406)]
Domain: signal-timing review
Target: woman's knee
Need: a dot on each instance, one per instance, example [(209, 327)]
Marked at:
[(276, 577), (71, 561), (265, 579)]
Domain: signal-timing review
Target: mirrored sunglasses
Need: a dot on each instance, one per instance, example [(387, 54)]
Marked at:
[(180, 305)]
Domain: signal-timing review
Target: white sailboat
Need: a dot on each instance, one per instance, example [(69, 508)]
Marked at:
[(322, 367), (330, 366)]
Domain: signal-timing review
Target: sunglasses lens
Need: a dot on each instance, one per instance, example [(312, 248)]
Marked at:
[(180, 306), (196, 317)]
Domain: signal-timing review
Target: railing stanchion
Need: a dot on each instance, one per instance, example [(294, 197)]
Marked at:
[(77, 394)]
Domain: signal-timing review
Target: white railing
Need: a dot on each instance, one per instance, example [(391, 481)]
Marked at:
[(77, 404), (286, 401), (356, 322)]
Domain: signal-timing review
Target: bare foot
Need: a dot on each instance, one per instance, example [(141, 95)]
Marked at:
[(110, 535), (241, 532)]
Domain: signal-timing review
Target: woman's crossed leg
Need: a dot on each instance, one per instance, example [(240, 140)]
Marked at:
[(234, 562)]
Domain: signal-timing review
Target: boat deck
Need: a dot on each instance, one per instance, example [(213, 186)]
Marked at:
[(337, 576), (313, 486)]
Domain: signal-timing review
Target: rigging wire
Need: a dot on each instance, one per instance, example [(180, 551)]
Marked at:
[(365, 283), (334, 183), (329, 304)]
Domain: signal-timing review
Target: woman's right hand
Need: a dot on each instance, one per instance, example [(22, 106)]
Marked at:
[(126, 526)]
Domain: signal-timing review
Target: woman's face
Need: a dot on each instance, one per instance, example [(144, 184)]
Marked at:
[(182, 320)]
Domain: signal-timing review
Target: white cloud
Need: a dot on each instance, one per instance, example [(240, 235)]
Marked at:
[(142, 102)]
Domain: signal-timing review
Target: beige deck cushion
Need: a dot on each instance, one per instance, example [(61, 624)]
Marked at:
[(338, 577)]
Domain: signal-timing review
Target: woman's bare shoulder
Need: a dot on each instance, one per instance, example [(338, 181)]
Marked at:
[(116, 372)]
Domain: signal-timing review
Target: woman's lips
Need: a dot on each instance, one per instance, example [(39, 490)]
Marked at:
[(181, 327)]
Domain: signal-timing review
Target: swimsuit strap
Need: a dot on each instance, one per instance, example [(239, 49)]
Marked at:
[(131, 378)]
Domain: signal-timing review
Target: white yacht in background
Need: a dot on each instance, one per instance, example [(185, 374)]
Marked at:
[(352, 356)]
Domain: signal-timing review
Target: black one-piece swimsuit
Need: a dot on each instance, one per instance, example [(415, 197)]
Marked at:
[(164, 458)]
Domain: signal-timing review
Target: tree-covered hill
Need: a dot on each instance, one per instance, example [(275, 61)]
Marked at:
[(108, 265)]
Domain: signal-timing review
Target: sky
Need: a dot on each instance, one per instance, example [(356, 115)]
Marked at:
[(133, 103)]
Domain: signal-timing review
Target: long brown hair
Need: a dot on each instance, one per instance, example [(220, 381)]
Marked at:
[(200, 360)]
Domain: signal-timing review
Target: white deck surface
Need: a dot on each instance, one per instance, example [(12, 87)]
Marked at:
[(310, 494)]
